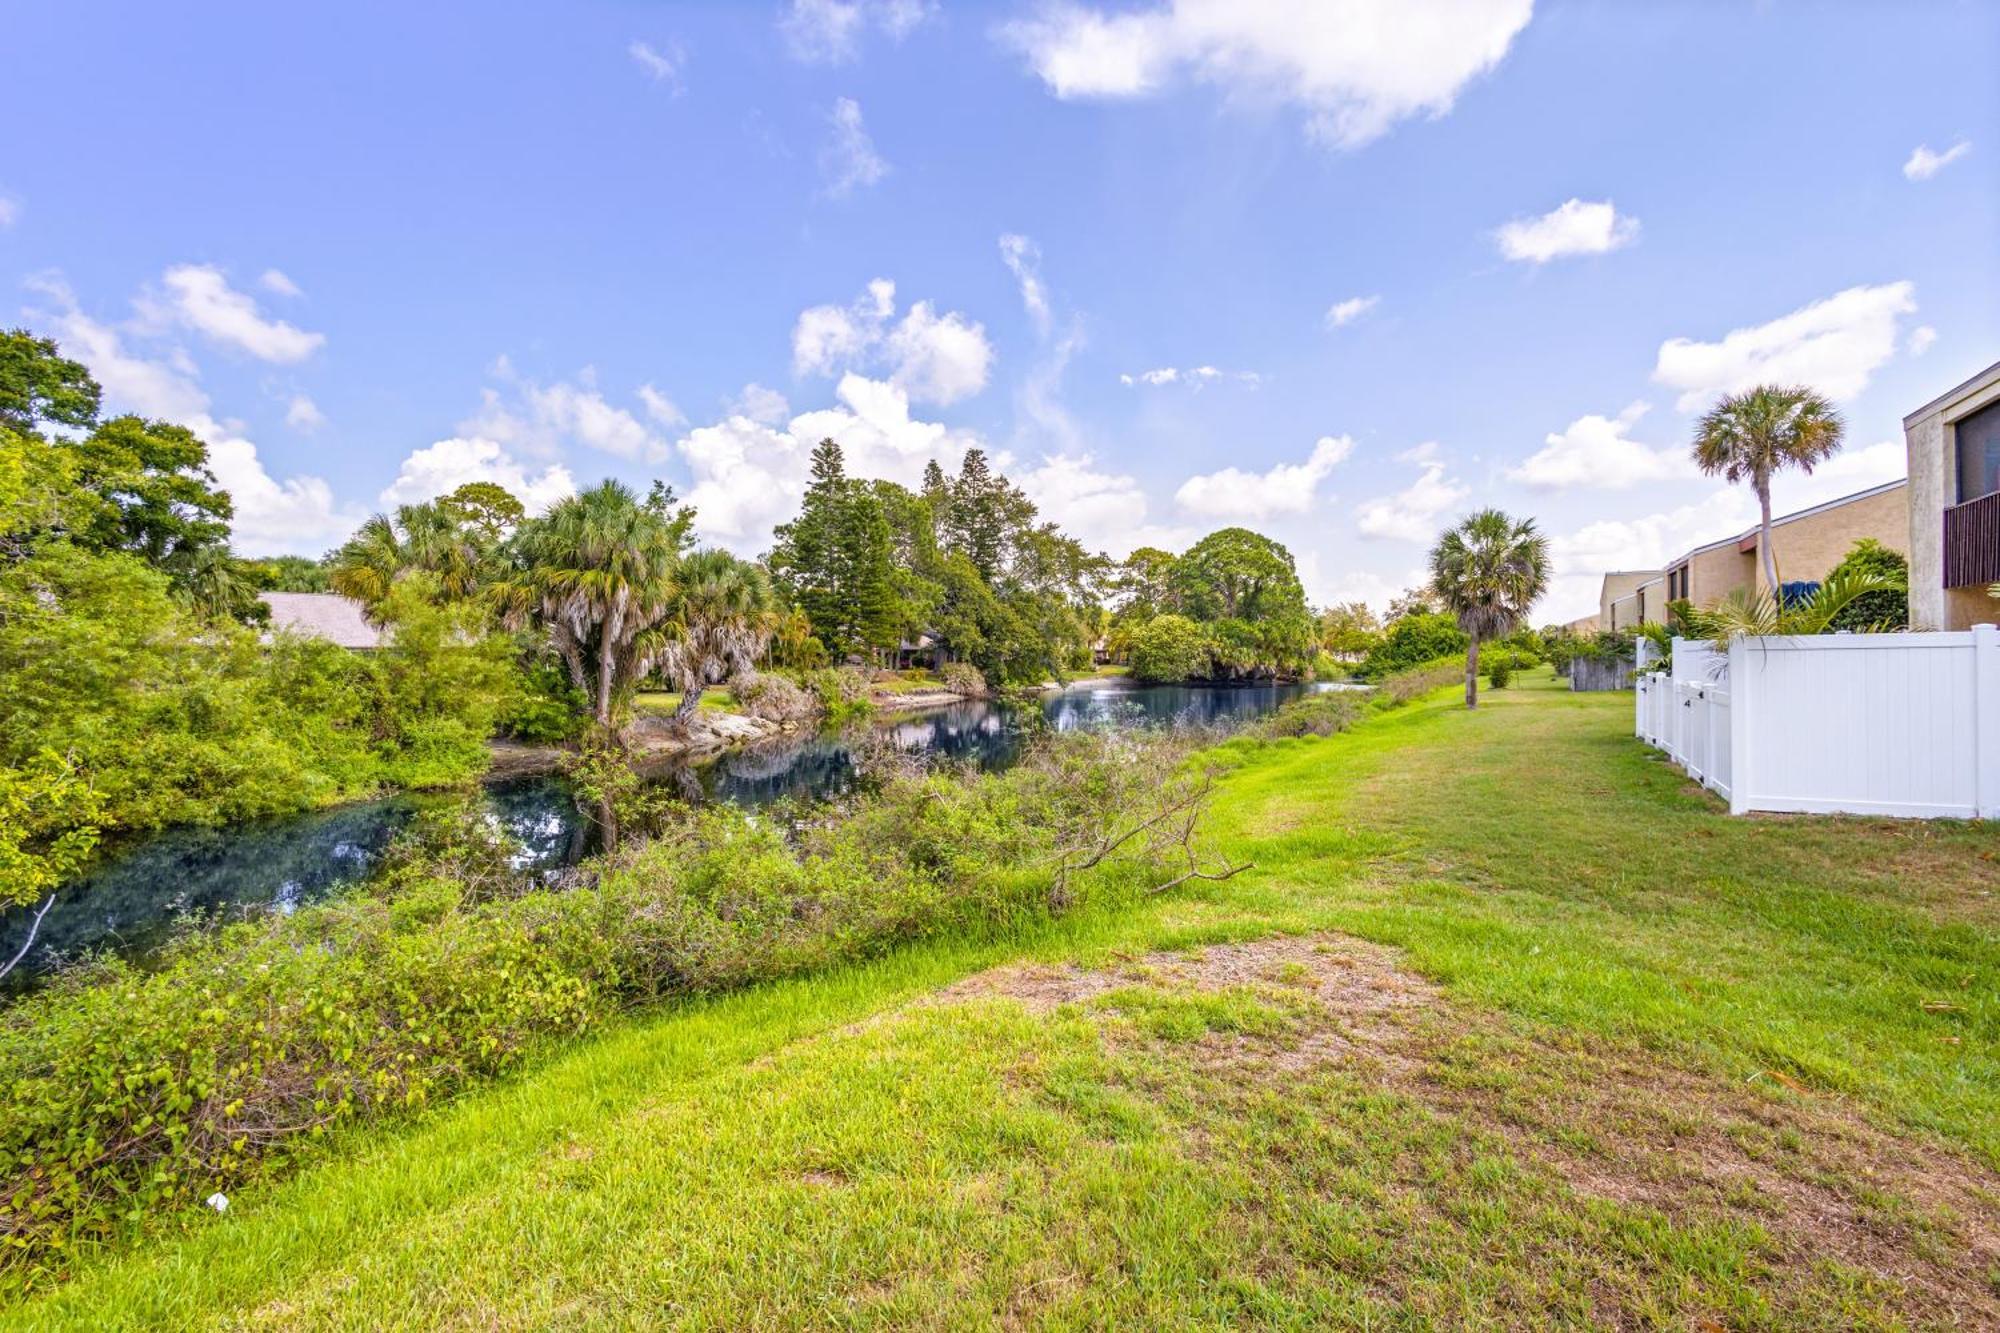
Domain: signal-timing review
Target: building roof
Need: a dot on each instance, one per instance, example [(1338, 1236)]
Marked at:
[(1749, 534), (322, 615), (1985, 377)]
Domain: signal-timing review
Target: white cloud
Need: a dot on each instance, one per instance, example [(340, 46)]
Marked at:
[(1412, 513), (935, 358), (303, 414), (1342, 313), (766, 406), (1288, 488), (276, 282), (939, 358), (659, 407), (660, 66), (849, 160), (749, 475), (1575, 228), (1196, 376), (1090, 504), (1921, 339), (542, 418), (1834, 345), (10, 210), (440, 468), (829, 32), (1024, 260), (1355, 67), (1599, 452), (1924, 164), (296, 515), (200, 297)]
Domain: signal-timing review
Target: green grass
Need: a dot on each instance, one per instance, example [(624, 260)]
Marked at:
[(1648, 1045), (666, 701)]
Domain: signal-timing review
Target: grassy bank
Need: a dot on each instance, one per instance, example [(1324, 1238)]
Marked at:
[(1551, 1039)]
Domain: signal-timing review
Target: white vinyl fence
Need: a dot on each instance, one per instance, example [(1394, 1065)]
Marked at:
[(1871, 724)]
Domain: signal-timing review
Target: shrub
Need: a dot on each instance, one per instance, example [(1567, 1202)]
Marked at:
[(126, 1092), (963, 678), (1316, 715), (1500, 672), (1888, 608), (842, 691), (1413, 641), (773, 698), (1170, 648)]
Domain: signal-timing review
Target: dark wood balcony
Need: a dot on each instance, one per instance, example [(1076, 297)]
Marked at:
[(1972, 542)]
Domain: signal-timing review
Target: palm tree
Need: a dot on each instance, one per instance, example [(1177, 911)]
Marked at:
[(596, 574), (1750, 435), (368, 562), (723, 618), (429, 537), (1488, 571)]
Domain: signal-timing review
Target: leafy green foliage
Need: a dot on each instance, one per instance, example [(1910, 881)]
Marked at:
[(1886, 608), (1170, 648), (48, 828), (124, 1094), (1412, 641), (595, 576), (38, 384), (722, 616)]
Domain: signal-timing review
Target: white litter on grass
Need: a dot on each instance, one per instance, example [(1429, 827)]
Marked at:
[(219, 1202)]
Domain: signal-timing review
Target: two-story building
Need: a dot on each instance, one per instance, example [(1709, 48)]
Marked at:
[(1808, 542), (1954, 452)]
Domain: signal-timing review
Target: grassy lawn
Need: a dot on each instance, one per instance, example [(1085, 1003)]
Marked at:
[(666, 701), (1510, 1025)]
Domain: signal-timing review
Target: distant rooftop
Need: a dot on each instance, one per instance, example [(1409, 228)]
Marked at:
[(322, 615)]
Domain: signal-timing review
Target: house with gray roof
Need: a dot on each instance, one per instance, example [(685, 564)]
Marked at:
[(323, 615)]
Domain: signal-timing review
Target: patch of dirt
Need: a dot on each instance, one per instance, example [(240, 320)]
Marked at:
[(1610, 1121), (1349, 976)]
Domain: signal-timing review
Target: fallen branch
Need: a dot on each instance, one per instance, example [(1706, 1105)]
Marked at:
[(29, 943)]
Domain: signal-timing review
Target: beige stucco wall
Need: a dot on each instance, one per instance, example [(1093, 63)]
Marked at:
[(1714, 574), (1930, 485), (1808, 548), (1928, 439), (1619, 585)]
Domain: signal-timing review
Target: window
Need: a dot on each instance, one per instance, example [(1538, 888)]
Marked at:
[(1978, 438)]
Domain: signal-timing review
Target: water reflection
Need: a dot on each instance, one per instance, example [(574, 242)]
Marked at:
[(130, 903)]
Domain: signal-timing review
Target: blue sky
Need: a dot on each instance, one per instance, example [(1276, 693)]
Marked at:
[(375, 250)]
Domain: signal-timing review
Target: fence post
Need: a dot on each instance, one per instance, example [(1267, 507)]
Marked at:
[(1742, 764), (1986, 720)]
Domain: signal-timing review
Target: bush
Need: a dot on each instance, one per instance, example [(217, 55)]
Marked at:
[(963, 678), (1887, 609), (1316, 715), (1413, 641), (126, 1093), (842, 691), (1500, 672), (774, 698), (1170, 648)]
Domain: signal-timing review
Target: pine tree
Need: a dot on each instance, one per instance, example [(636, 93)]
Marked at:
[(977, 522), (806, 560)]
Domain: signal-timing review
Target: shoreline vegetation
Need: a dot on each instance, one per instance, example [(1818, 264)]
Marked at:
[(1454, 1027), (240, 1049)]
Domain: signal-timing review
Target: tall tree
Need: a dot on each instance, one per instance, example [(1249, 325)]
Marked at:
[(836, 560), (723, 618), (1751, 435), (1488, 571), (596, 574), (38, 385)]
